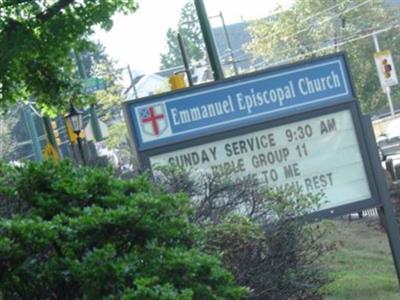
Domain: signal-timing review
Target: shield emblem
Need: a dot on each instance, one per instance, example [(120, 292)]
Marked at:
[(153, 120)]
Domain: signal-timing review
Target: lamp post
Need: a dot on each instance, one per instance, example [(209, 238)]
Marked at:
[(76, 119)]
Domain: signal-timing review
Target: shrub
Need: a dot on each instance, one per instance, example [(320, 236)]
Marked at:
[(280, 262), (8, 205), (79, 233), (264, 239)]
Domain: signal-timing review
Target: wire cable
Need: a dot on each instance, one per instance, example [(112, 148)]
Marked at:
[(328, 47)]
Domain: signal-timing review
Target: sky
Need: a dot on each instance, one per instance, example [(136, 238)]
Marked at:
[(139, 38)]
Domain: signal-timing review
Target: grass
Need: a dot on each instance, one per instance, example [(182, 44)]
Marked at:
[(362, 267)]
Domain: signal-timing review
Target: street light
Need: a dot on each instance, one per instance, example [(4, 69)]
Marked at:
[(75, 118)]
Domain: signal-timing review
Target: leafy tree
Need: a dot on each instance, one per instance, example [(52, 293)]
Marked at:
[(36, 41), (98, 64), (190, 31), (308, 28)]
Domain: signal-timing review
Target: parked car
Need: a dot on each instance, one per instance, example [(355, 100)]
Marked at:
[(389, 141)]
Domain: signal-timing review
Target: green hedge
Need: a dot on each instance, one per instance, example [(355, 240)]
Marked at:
[(79, 233)]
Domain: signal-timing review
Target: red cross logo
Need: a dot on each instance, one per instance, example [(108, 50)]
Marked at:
[(153, 120)]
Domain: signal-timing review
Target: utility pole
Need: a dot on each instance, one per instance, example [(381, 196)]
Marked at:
[(209, 41), (228, 42), (185, 60), (385, 89)]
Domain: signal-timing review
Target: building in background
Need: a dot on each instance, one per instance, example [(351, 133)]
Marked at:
[(238, 36)]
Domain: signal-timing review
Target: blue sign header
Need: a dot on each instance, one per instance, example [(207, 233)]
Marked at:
[(230, 104)]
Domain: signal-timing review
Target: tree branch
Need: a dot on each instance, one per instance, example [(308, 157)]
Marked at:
[(53, 10)]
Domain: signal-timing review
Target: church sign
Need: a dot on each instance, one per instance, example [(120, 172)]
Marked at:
[(292, 126)]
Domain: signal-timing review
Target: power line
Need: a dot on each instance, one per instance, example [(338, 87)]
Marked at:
[(306, 19), (322, 22), (334, 40), (312, 25), (330, 46), (315, 15), (323, 11)]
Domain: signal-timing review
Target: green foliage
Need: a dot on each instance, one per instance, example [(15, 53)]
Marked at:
[(98, 64), (280, 259), (262, 234), (7, 191), (7, 142), (308, 28), (85, 235), (118, 134), (36, 40), (118, 141), (189, 29)]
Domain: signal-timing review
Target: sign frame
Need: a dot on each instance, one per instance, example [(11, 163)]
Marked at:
[(292, 115)]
